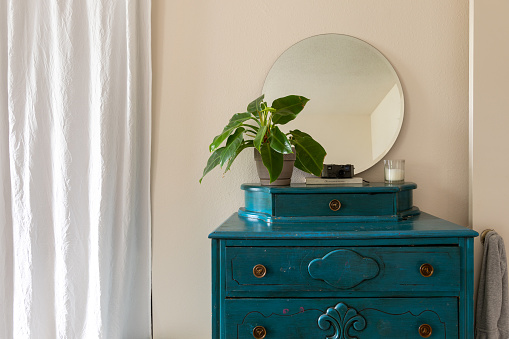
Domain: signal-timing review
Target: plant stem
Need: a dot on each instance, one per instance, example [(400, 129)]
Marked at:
[(262, 118)]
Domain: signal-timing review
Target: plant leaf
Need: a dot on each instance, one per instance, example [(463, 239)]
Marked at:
[(298, 163), (256, 105), (279, 142), (239, 117), (298, 133), (300, 166), (258, 140), (255, 128), (218, 140), (235, 121), (213, 161), (243, 146), (272, 160), (287, 108), (234, 141), (310, 154)]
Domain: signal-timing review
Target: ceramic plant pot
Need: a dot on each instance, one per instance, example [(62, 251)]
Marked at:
[(286, 174)]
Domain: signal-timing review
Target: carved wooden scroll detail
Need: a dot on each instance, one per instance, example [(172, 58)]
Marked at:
[(341, 318), (343, 268)]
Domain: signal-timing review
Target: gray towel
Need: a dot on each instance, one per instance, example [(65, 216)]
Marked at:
[(492, 313)]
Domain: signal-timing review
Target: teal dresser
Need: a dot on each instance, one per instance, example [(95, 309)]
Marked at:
[(340, 262)]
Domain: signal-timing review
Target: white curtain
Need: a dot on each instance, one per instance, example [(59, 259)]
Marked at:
[(75, 107)]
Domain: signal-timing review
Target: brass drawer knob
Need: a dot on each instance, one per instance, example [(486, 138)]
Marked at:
[(259, 332), (259, 271), (426, 270), (425, 330), (335, 205)]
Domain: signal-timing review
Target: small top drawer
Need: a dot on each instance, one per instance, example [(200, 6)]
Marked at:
[(334, 204), (301, 203), (352, 269)]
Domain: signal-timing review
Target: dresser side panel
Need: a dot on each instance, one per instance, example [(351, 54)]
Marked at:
[(466, 302), (259, 202)]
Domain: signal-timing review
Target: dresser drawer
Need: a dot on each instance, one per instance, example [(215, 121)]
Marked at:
[(361, 318), (347, 204), (343, 203), (352, 269)]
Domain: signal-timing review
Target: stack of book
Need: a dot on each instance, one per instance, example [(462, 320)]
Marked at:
[(332, 181)]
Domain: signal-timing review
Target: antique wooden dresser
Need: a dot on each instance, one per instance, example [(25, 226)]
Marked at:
[(341, 262)]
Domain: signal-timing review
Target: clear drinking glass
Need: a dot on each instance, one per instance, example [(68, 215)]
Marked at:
[(394, 171)]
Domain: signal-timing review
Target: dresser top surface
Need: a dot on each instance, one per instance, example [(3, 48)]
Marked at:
[(374, 187), (421, 226)]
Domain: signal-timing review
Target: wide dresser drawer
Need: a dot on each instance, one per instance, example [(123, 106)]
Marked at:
[(354, 269), (361, 318)]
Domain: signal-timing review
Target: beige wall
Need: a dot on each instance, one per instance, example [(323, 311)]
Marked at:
[(210, 59), (489, 119)]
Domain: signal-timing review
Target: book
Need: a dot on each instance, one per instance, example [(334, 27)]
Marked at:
[(332, 181)]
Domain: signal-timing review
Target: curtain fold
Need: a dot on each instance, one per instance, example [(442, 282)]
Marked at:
[(75, 108)]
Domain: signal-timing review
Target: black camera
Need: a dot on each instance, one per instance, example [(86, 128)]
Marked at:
[(337, 171)]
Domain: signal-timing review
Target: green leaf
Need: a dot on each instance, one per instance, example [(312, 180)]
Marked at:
[(255, 128), (283, 118), (298, 163), (300, 166), (310, 154), (287, 108), (272, 160), (256, 105), (243, 146), (291, 103), (213, 161), (298, 133), (218, 140), (235, 121), (239, 117), (258, 140), (279, 142), (234, 141)]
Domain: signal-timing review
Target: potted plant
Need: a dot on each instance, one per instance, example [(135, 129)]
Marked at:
[(258, 128)]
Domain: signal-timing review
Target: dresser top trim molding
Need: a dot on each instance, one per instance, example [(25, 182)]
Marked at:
[(420, 226), (374, 187)]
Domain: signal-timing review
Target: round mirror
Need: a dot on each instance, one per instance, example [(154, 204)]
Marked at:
[(356, 101)]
